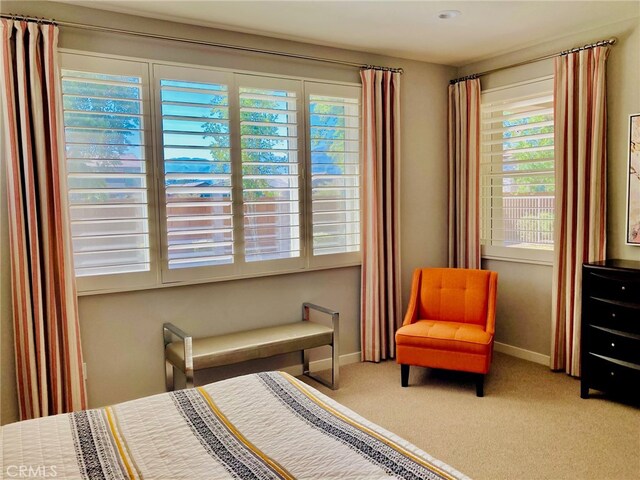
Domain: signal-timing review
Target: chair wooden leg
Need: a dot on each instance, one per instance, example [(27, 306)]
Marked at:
[(480, 385), (404, 375)]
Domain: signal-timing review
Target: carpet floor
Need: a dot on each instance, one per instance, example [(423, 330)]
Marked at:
[(531, 423)]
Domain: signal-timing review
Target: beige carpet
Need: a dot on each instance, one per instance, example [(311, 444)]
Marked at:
[(531, 424)]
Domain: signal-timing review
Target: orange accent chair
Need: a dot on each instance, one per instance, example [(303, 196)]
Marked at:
[(450, 322)]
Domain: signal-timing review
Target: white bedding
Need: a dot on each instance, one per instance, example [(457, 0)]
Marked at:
[(261, 426)]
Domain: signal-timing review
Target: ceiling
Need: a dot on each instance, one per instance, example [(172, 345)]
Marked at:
[(406, 29)]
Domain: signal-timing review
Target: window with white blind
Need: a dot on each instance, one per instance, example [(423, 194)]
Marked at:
[(106, 147), (252, 174), (196, 153), (517, 175), (334, 150), (271, 168)]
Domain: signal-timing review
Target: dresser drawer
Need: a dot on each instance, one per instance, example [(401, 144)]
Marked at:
[(613, 344), (613, 314), (608, 374), (615, 286)]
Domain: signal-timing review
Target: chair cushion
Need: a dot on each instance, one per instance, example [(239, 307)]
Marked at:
[(450, 336)]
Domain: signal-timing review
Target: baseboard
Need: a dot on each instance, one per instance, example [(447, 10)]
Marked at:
[(323, 364), (522, 353), (354, 357)]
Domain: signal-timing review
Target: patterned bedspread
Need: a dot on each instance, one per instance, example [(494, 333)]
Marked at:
[(261, 426)]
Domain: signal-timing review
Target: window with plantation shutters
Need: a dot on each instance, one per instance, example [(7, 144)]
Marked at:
[(183, 174), (196, 151), (271, 156), (517, 167), (105, 122), (334, 136)]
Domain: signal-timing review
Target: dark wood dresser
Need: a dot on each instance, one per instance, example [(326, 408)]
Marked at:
[(611, 327)]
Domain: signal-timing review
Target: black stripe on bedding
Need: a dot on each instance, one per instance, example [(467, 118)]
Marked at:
[(95, 452), (217, 440), (376, 451)]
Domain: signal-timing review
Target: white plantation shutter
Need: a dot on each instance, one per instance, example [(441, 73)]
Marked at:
[(105, 121), (271, 169), (256, 174), (197, 171), (517, 166), (334, 136)]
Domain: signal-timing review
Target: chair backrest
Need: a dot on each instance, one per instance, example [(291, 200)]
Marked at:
[(455, 295)]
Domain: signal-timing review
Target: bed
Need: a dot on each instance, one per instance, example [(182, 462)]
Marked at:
[(260, 426)]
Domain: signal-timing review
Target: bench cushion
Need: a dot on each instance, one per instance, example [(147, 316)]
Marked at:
[(259, 343)]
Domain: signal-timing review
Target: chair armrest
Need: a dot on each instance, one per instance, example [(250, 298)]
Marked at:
[(328, 311), (335, 317), (169, 329), (412, 310), (491, 307)]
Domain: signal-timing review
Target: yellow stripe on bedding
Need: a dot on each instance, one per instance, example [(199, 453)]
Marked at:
[(296, 383), (120, 443), (221, 416)]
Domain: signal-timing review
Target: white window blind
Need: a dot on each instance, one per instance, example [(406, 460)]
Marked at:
[(237, 175), (270, 173), (197, 173), (334, 134), (517, 167), (104, 122)]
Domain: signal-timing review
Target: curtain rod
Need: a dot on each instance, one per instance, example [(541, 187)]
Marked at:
[(198, 42), (601, 43)]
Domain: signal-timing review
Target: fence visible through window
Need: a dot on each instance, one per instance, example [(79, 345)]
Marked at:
[(528, 221), (517, 168)]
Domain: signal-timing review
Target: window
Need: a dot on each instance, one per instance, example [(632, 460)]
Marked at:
[(105, 122), (517, 171), (335, 174), (226, 155), (271, 168), (196, 152), (334, 137)]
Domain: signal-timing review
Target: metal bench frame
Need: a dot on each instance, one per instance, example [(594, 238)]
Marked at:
[(169, 331)]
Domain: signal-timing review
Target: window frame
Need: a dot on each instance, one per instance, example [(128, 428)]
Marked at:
[(130, 280), (293, 263), (160, 275), (347, 258), (506, 93), (184, 74)]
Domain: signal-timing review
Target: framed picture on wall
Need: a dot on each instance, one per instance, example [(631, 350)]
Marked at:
[(633, 186)]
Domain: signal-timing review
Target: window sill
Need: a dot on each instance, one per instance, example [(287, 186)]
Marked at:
[(155, 286), (518, 255)]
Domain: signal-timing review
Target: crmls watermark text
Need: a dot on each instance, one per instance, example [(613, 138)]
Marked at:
[(31, 471)]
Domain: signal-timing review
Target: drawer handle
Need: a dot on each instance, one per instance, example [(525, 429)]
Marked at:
[(623, 287), (613, 315), (613, 344), (613, 374)]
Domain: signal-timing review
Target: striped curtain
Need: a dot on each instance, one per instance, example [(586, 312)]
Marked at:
[(46, 330), (380, 312), (464, 174), (580, 111)]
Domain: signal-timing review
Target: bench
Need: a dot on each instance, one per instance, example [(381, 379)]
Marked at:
[(189, 354)]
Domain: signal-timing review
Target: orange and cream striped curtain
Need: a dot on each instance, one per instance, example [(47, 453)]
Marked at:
[(464, 174), (46, 330), (580, 112), (380, 312)]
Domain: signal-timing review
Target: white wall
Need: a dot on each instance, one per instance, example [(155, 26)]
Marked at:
[(524, 291), (121, 333)]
